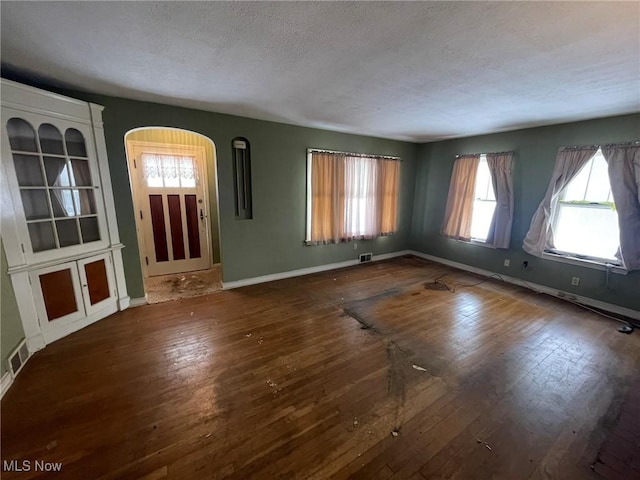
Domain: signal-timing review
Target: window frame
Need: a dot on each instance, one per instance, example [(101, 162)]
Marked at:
[(477, 240), (309, 194), (574, 257)]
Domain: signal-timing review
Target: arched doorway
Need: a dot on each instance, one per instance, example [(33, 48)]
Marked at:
[(174, 188)]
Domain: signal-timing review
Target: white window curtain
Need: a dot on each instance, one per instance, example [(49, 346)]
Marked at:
[(459, 210), (361, 208), (500, 168), (569, 162), (624, 176)]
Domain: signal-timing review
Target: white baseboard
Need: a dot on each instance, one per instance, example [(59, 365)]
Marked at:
[(124, 303), (386, 256), (5, 383), (306, 271), (610, 307), (137, 302)]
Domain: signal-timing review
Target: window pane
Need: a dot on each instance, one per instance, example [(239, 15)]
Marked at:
[(152, 168), (57, 172), (62, 203), (41, 235), (187, 172), (28, 170), (50, 139), (586, 230), (35, 204), (599, 188), (75, 143), (484, 203), (22, 136), (484, 187), (170, 171), (89, 228), (86, 201), (481, 221), (81, 176), (360, 174), (67, 232), (576, 190)]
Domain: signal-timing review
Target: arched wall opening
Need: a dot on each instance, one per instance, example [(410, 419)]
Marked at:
[(169, 209)]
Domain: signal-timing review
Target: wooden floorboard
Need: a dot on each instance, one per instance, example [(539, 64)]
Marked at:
[(367, 372)]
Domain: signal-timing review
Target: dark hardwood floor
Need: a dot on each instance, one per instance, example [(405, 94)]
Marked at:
[(365, 372)]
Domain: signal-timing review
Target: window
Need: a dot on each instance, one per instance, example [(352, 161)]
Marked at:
[(475, 211), (484, 203), (350, 196), (585, 221), (169, 171)]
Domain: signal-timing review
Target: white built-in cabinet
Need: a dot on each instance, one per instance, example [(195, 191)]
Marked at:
[(58, 219)]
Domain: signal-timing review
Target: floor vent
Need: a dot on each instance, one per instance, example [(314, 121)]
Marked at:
[(18, 358), (365, 257)]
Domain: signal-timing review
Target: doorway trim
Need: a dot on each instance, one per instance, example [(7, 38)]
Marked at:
[(130, 146)]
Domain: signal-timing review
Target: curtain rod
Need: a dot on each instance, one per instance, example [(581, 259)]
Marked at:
[(608, 145), (485, 153), (352, 154)]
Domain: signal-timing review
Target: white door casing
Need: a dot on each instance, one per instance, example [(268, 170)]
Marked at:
[(170, 199)]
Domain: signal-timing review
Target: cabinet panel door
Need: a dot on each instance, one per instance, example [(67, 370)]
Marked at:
[(58, 297), (96, 275)]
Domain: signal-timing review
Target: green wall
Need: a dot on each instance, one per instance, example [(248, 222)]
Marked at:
[(273, 241), (535, 153), (11, 332)]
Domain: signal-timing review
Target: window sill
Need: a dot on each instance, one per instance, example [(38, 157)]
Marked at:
[(479, 243), (583, 262)]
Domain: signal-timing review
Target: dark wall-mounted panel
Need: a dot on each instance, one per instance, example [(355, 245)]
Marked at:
[(242, 175)]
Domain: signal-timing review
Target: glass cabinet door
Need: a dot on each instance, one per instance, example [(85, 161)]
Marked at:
[(54, 178)]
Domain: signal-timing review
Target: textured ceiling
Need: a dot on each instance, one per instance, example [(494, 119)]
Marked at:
[(416, 70)]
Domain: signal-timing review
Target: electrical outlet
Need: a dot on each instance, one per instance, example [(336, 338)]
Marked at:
[(355, 245), (575, 281), (507, 262)]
